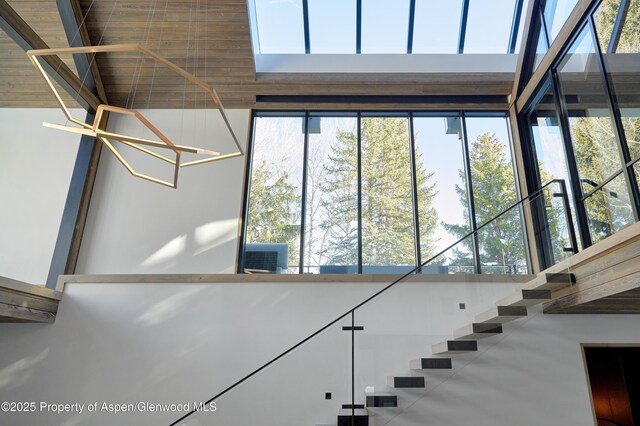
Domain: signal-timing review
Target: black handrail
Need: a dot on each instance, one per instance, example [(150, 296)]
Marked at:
[(352, 310)]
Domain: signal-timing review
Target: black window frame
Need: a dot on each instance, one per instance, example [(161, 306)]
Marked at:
[(410, 115), (527, 142)]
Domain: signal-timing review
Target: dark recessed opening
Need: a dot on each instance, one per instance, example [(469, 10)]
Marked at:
[(614, 377)]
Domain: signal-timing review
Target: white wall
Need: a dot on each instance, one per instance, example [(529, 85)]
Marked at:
[(163, 343), (35, 169), (135, 226)]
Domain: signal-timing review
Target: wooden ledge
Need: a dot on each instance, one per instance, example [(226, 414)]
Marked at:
[(23, 302), (282, 278), (29, 289), (607, 277)]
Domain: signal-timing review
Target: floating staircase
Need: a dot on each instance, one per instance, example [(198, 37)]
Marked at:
[(465, 340)]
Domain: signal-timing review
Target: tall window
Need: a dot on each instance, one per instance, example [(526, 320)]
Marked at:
[(331, 231), (590, 110), (501, 244), (380, 193), (548, 149), (594, 138), (387, 204), (273, 221), (443, 206)]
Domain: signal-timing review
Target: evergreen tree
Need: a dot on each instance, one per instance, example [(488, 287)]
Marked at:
[(387, 203), (274, 209), (340, 196), (494, 190)]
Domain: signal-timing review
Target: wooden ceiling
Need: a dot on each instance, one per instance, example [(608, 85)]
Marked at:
[(20, 84), (209, 38)]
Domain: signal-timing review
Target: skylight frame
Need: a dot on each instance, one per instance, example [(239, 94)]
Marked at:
[(516, 22)]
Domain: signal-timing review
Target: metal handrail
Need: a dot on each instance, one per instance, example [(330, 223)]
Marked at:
[(378, 293)]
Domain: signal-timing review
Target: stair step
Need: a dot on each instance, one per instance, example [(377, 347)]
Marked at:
[(526, 297), (356, 406), (477, 331), (406, 382), (454, 347), (430, 364), (361, 418), (553, 282), (502, 314), (386, 401)]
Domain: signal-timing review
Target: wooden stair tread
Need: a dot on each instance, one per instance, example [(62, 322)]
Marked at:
[(550, 281), (501, 314), (450, 347), (406, 381), (430, 364), (476, 331), (526, 297)]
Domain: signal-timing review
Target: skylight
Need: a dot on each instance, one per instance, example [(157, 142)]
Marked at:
[(386, 26)]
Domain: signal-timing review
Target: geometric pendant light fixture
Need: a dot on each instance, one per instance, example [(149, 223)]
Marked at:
[(109, 139)]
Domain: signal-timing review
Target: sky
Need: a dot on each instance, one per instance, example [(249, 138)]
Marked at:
[(385, 23)]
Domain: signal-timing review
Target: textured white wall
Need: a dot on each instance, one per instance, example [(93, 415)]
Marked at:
[(36, 164), (135, 226), (164, 343)]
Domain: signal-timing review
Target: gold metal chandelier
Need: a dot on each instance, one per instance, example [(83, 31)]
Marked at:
[(140, 144)]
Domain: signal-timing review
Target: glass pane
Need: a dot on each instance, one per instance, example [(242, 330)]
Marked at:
[(592, 130), (556, 13), (541, 49), (442, 199), (385, 26), (609, 209), (332, 26), (622, 61), (552, 165), (331, 240), (549, 148), (501, 245), (488, 26), (605, 18), (494, 185), (555, 220), (274, 37), (387, 203), (494, 190), (436, 26), (457, 260), (636, 168), (523, 18), (273, 220)]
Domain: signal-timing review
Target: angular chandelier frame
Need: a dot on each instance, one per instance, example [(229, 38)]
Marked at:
[(105, 137)]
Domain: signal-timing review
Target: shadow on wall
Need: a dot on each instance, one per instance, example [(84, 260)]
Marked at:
[(205, 238), (22, 371)]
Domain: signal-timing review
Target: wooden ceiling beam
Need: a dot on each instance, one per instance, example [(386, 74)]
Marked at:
[(27, 39)]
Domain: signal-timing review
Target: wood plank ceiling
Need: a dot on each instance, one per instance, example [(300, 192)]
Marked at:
[(209, 38), (20, 84)]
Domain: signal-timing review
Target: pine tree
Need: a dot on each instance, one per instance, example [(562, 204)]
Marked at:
[(494, 190), (274, 209), (387, 202)]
